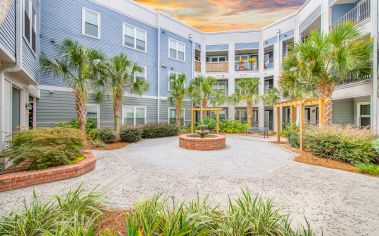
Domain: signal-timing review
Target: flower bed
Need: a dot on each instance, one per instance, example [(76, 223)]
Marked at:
[(28, 178)]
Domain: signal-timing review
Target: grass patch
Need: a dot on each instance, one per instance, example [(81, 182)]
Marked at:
[(371, 169)]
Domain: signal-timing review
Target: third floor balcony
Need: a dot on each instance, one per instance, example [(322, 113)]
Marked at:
[(355, 11), (217, 62)]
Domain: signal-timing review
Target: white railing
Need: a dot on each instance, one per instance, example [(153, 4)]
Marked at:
[(358, 14)]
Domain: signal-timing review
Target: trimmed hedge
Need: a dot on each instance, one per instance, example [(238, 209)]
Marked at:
[(130, 135), (159, 131), (346, 144), (104, 134), (45, 147)]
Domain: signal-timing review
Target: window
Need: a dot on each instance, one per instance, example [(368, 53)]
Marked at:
[(170, 80), (172, 116), (216, 59), (140, 75), (223, 115), (93, 113), (134, 37), (241, 115), (268, 84), (91, 23), (269, 60), (242, 63), (176, 50), (221, 85), (133, 116), (364, 114), (30, 24)]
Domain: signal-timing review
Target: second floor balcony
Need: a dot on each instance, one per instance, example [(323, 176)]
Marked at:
[(217, 62), (358, 14)]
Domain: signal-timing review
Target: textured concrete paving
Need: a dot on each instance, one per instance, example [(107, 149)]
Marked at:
[(333, 201)]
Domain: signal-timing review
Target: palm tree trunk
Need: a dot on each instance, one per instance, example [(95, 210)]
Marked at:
[(4, 7), (117, 104), (249, 110), (81, 110), (204, 104), (178, 114), (326, 90)]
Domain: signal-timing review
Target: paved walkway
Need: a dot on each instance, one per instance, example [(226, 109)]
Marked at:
[(337, 202)]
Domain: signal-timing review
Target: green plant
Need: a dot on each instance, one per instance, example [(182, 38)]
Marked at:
[(289, 128), (368, 168), (91, 124), (97, 143), (130, 135), (346, 144), (209, 122), (104, 134), (294, 139), (45, 147), (70, 214), (178, 93), (232, 126), (159, 131)]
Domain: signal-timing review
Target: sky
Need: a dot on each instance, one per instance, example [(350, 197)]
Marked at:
[(220, 15)]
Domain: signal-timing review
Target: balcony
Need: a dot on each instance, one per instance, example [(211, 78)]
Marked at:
[(358, 14), (352, 79), (217, 66), (197, 66), (246, 60)]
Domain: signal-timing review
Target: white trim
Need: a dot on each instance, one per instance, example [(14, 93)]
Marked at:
[(123, 115), (183, 112), (177, 42), (31, 26), (135, 37), (359, 112), (84, 9), (145, 72), (97, 112)]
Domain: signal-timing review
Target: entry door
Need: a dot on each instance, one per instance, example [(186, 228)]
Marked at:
[(16, 109), (269, 119)]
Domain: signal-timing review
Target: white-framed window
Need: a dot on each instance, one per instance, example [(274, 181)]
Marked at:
[(91, 23), (134, 37), (30, 24), (133, 115), (176, 50), (93, 113), (221, 85), (216, 59), (172, 116), (169, 79), (140, 75), (363, 114)]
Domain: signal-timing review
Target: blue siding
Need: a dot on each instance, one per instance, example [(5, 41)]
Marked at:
[(270, 41), (168, 64), (340, 10), (63, 19), (219, 47), (240, 46), (287, 35), (8, 31)]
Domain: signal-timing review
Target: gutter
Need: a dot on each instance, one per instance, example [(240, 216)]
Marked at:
[(159, 70)]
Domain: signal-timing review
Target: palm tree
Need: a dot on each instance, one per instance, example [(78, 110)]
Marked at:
[(271, 97), (120, 75), (201, 90), (79, 66), (178, 93), (247, 92), (325, 60), (4, 7)]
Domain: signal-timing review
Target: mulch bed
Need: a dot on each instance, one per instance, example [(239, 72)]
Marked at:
[(310, 159), (110, 146), (112, 221)]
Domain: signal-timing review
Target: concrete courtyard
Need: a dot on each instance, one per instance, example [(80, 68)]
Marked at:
[(333, 201)]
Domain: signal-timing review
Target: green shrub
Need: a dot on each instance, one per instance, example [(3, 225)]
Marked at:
[(75, 213), (368, 168), (45, 147), (232, 126), (294, 139), (159, 131), (104, 134), (347, 144), (289, 128), (210, 123), (91, 124), (130, 135)]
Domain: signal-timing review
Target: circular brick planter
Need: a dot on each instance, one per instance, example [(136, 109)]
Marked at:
[(23, 179), (216, 142)]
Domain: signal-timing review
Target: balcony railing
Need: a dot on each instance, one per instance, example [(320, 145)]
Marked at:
[(358, 14), (197, 66), (217, 66), (352, 79), (246, 66)]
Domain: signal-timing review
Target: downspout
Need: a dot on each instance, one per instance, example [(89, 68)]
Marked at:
[(375, 93), (12, 69), (159, 69)]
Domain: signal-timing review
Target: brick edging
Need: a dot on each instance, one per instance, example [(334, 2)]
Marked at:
[(24, 179), (205, 144)]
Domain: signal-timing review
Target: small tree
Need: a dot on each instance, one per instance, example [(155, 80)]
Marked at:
[(80, 67), (247, 92), (120, 76), (178, 93)]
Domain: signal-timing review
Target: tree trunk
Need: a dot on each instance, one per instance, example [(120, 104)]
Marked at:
[(4, 7), (178, 115), (249, 110), (204, 104), (325, 90), (81, 110), (117, 104)]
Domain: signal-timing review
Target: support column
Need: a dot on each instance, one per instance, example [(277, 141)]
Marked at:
[(321, 110), (217, 121), (292, 114), (2, 140), (277, 123), (375, 92), (203, 59), (192, 121), (301, 125)]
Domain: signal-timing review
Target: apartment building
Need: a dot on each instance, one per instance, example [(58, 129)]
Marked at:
[(163, 45)]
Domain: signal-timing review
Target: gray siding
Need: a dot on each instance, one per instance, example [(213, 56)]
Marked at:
[(8, 30), (163, 113), (343, 111)]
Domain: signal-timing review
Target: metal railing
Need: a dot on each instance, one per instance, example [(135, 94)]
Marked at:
[(357, 14), (352, 79)]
